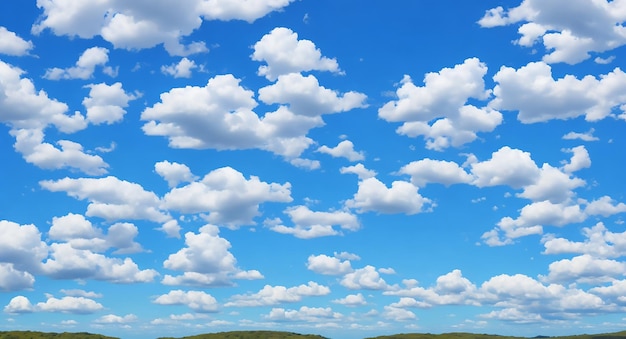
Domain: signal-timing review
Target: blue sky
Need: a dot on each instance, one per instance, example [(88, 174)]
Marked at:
[(345, 168)]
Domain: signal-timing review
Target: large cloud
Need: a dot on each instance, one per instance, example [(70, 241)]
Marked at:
[(533, 91), (228, 197), (569, 30), (206, 260), (11, 44), (137, 25), (111, 198), (443, 101), (284, 54)]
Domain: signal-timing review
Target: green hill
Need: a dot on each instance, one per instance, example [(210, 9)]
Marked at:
[(44, 335), (253, 335)]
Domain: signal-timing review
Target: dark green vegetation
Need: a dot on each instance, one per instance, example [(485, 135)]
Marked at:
[(42, 335), (290, 335), (253, 335), (618, 335)]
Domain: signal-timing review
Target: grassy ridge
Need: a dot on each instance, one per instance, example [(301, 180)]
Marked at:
[(617, 335), (45, 335), (253, 335), (291, 335)]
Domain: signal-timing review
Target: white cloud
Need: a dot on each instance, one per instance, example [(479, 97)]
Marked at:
[(206, 260), (537, 96), (106, 103), (305, 96), (580, 159), (596, 28), (14, 280), (373, 195), (284, 53), (67, 262), (323, 264), (81, 293), (220, 116), (272, 295), (81, 234), (344, 149), (587, 136), (553, 185), (450, 289), (21, 246), (441, 100), (198, 301), (304, 314), (241, 9), (116, 319), (427, 171), (180, 70), (352, 300), (507, 166), (74, 305), (310, 224), (135, 25), (85, 66), (19, 304), (364, 278), (605, 206), (24, 107), (398, 314), (111, 198), (228, 197), (360, 170), (174, 173), (585, 268), (29, 142), (11, 44)]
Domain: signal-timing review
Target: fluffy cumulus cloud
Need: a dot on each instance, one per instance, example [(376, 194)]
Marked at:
[(344, 149), (537, 96), (402, 197), (304, 314), (24, 107), (324, 264), (198, 301), (352, 300), (439, 111), (70, 305), (449, 289), (219, 116), (111, 198), (284, 53), (21, 247), (598, 27), (312, 224), (12, 44), (206, 260), (599, 242), (139, 25), (305, 96), (272, 295), (67, 262), (427, 171), (81, 234), (30, 143), (364, 278), (228, 197), (174, 173), (106, 103), (12, 279), (180, 70), (85, 66)]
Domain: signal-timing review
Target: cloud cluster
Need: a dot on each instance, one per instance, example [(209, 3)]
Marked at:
[(135, 26), (598, 27)]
